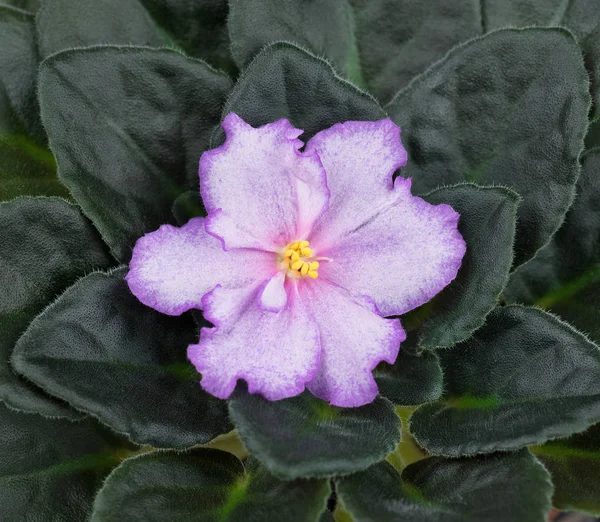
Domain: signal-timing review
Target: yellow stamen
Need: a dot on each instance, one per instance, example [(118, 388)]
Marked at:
[(314, 265), (306, 252), (313, 274), (289, 253), (295, 257), (298, 261), (304, 269), (297, 265), (303, 244)]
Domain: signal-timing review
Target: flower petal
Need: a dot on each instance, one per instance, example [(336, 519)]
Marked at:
[(275, 353), (354, 339), (360, 158), (403, 256), (173, 268), (259, 190), (273, 296)]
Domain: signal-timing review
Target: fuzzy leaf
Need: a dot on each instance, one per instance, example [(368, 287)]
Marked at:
[(26, 5), (284, 81), (487, 223), (505, 486), (50, 469), (45, 245), (101, 350), (306, 437), (204, 485), (198, 26), (127, 126), (64, 24), (399, 39), (325, 27), (523, 378), (517, 119), (565, 274), (413, 379), (574, 464)]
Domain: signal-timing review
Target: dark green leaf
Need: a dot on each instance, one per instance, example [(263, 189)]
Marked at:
[(27, 5), (523, 378), (284, 81), (487, 223), (188, 206), (204, 485), (127, 124), (306, 437), (65, 24), (509, 108), (325, 27), (565, 275), (574, 464), (19, 112), (101, 350), (399, 39), (45, 245), (199, 26), (580, 16), (50, 469), (413, 379), (495, 488)]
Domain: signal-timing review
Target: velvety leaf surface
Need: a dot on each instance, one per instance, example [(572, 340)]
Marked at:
[(516, 120), (107, 354), (65, 24), (199, 26), (306, 437), (45, 245), (413, 379), (495, 488), (487, 223), (50, 469), (284, 81), (523, 378), (580, 16), (399, 39), (574, 464), (188, 206), (27, 5), (127, 126), (204, 485), (565, 274), (325, 27)]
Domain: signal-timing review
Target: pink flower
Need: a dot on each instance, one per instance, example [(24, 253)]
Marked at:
[(301, 257)]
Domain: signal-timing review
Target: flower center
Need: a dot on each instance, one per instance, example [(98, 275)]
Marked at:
[(297, 259)]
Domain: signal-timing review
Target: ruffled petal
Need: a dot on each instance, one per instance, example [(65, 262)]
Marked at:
[(259, 190), (360, 158), (275, 353), (273, 296), (173, 268), (354, 339), (403, 256)]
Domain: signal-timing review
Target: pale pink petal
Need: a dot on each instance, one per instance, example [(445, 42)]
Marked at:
[(403, 256), (354, 339), (273, 296), (360, 158), (172, 268), (275, 353), (259, 190)]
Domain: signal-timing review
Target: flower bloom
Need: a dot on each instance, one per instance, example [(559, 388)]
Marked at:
[(301, 257)]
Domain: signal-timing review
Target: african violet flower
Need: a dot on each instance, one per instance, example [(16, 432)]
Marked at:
[(299, 260)]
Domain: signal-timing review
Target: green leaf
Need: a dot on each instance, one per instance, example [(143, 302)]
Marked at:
[(45, 245), (204, 485), (523, 378), (19, 112), (413, 379), (64, 24), (188, 206), (399, 39), (128, 126), (324, 27), (284, 81), (491, 113), (306, 437), (101, 350), (574, 464), (50, 469), (487, 223), (26, 5), (582, 17), (565, 275), (495, 488), (199, 26)]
